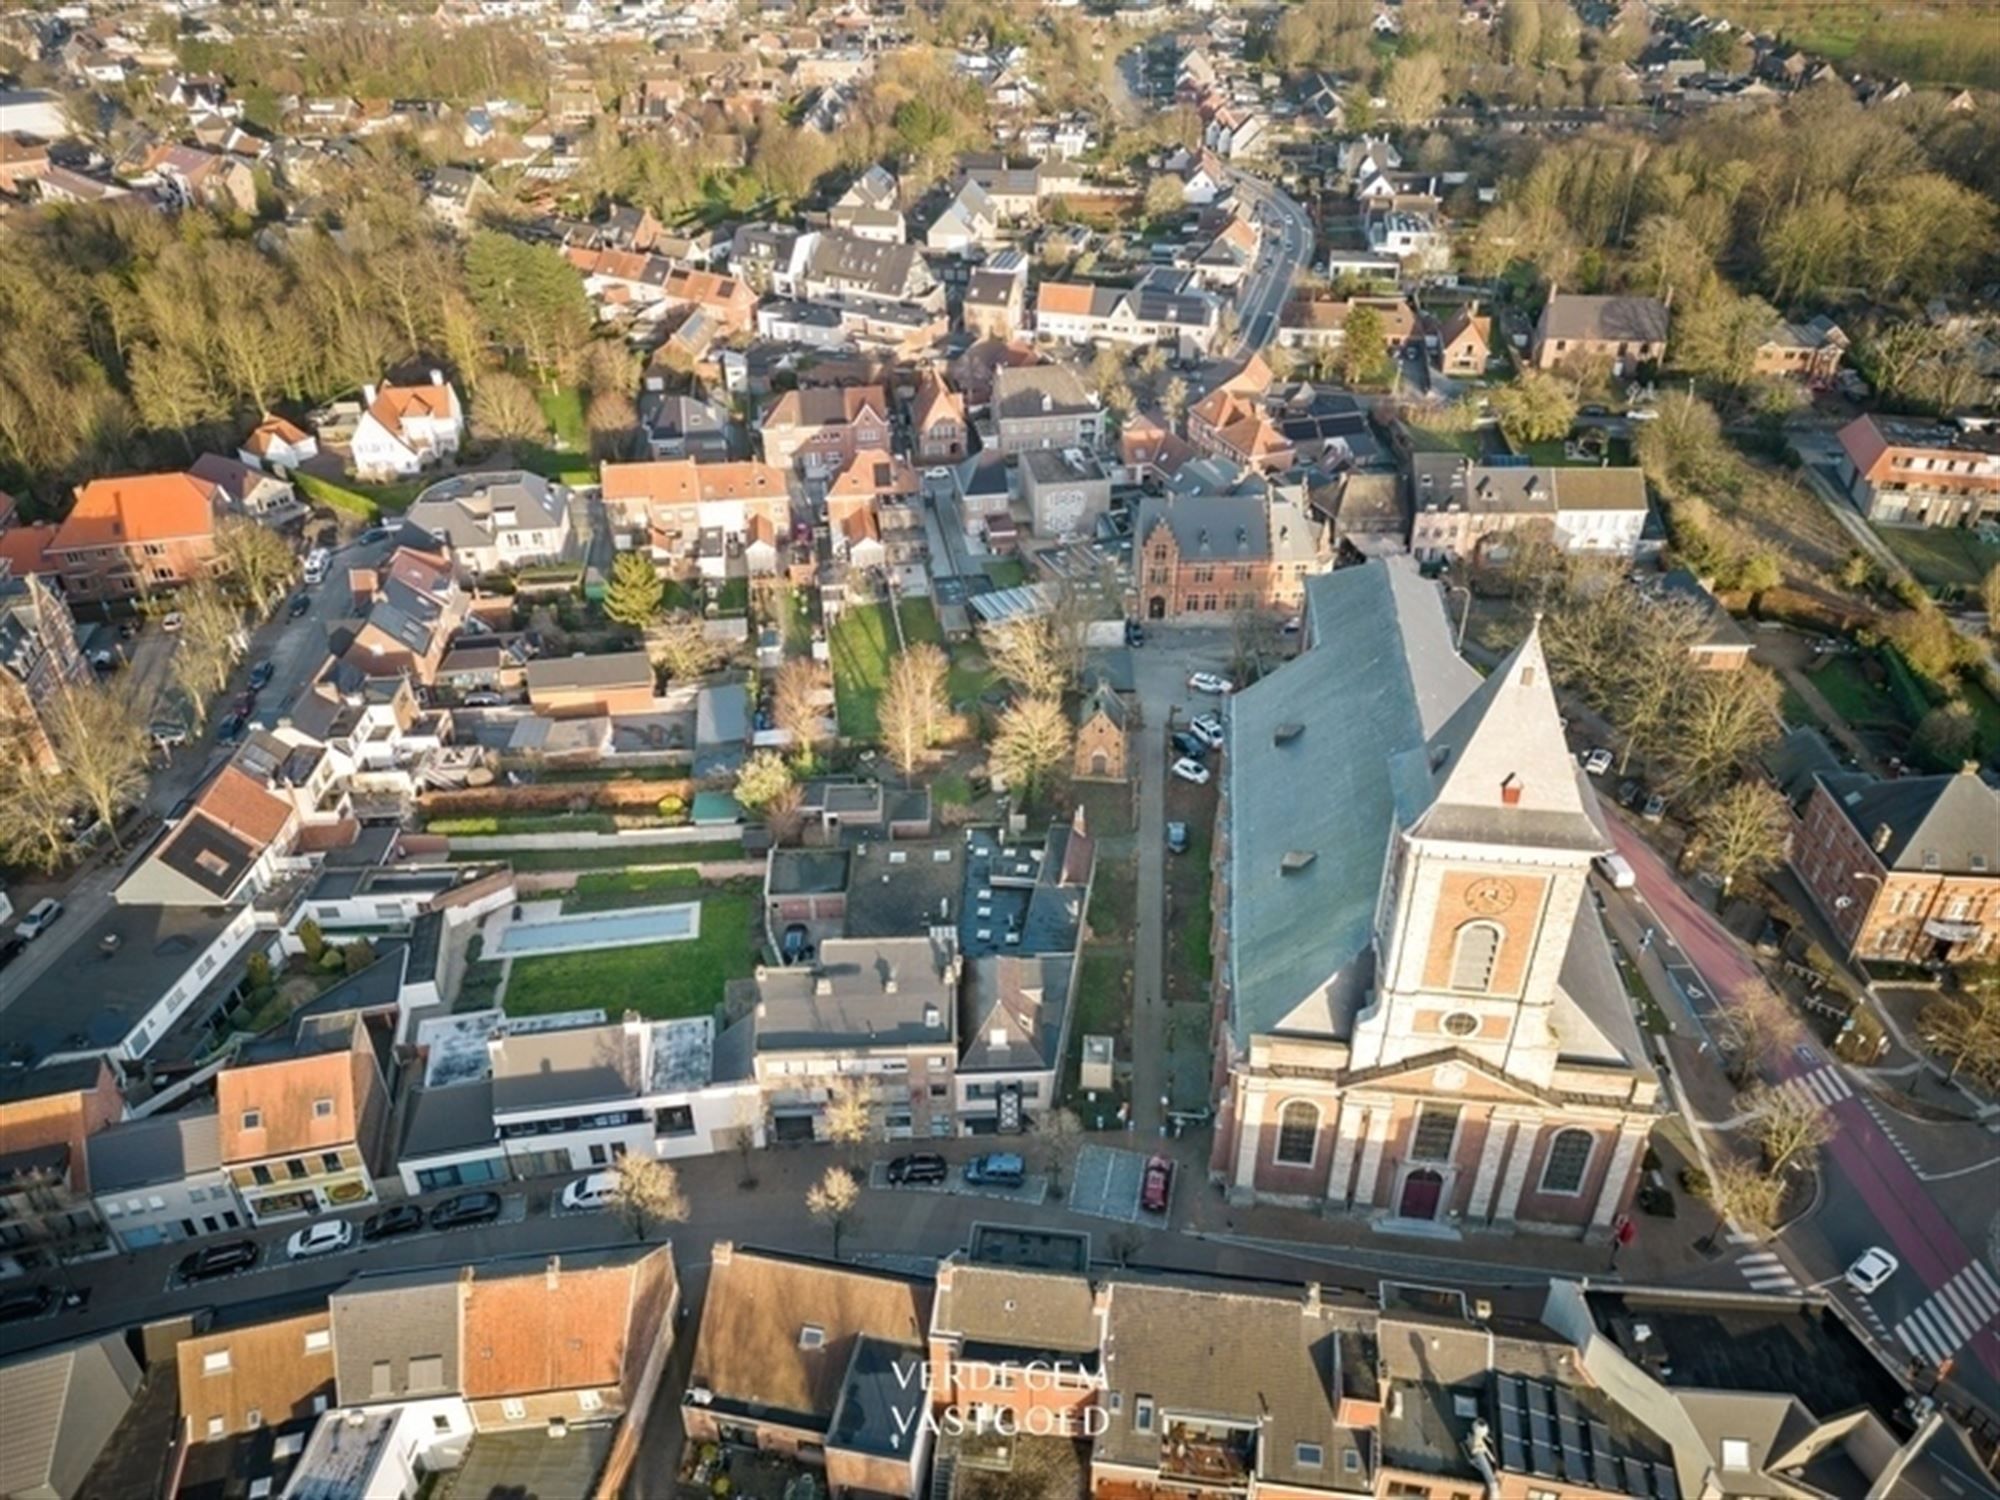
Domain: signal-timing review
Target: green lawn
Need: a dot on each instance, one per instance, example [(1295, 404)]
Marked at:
[(487, 825), (669, 856), (861, 644), (1114, 900), (920, 621), (337, 496), (1007, 572), (1941, 557), (615, 888), (1851, 695), (659, 980), (1193, 917), (1435, 440), (1103, 1008), (564, 409)]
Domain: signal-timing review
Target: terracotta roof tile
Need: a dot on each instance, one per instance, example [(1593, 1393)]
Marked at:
[(138, 508), (282, 1096), (235, 801), (531, 1329)]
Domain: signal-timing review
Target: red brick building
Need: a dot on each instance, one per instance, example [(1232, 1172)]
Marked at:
[(821, 428), (1906, 871), (134, 535)]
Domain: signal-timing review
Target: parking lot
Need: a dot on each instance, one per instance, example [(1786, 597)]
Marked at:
[(1105, 1183), (1033, 1191)]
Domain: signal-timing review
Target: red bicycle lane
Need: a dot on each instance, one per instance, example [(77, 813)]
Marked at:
[(1909, 1219)]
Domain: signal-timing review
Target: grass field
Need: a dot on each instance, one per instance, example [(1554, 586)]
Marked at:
[(1103, 1008), (862, 644), (564, 409), (668, 856), (1941, 557), (488, 825), (611, 889), (1435, 440), (1114, 901), (1007, 572), (1847, 689), (660, 981)]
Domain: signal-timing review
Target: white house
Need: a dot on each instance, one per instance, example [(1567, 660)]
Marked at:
[(277, 445), (160, 1179), (496, 522), (406, 428)]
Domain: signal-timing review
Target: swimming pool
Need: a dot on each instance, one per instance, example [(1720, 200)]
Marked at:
[(603, 929)]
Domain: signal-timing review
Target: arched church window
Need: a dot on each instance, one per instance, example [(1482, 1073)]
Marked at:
[(1473, 955), (1298, 1132), (1569, 1155)]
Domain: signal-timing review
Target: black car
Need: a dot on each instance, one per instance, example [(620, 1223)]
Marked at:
[(10, 949), (1628, 792), (299, 605), (1189, 746), (25, 1302), (372, 535), (924, 1166), (466, 1208), (1135, 633), (231, 728), (405, 1218), (260, 676), (219, 1260)]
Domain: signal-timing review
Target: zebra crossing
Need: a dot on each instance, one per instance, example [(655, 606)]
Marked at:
[(1953, 1315), (1766, 1272), (1825, 1086)]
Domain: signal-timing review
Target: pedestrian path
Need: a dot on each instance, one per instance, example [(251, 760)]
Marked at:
[(1825, 1086), (1766, 1272), (1953, 1315)]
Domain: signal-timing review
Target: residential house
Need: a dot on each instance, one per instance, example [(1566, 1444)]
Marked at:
[(675, 426), (496, 522), (278, 446), (1232, 421), (1464, 510), (1465, 342), (1414, 239), (23, 159), (1163, 307), (1907, 871), (245, 490), (39, 660), (1319, 324), (264, 1376), (159, 1179), (674, 503), (815, 1362), (1067, 489), (454, 196), (872, 512), (939, 429), (226, 848), (1229, 257), (834, 266), (303, 1121), (869, 210), (134, 535), (1903, 472), (81, 1393), (47, 1116), (819, 429), (1725, 646), (881, 1012), (1810, 351), (406, 428), (1015, 1014), (996, 297), (968, 224), (1020, 1346), (1624, 332), (1492, 1073), (569, 687), (1103, 736), (1044, 406), (413, 606), (191, 175)]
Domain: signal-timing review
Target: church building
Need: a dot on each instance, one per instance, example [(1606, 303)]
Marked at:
[(1418, 1017)]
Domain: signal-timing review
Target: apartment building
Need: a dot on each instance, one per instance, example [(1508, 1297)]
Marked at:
[(1044, 406), (1463, 510), (819, 429), (39, 659), (1902, 472), (1164, 307), (673, 503), (134, 535)]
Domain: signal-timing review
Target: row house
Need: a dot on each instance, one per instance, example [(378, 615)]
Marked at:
[(1901, 472), (406, 428), (1463, 510), (48, 1115), (226, 848), (996, 297), (939, 429), (1044, 406), (1318, 325), (873, 513), (159, 1180), (304, 1120), (674, 503), (1907, 871), (1231, 421), (820, 429), (134, 535), (1163, 307), (409, 609)]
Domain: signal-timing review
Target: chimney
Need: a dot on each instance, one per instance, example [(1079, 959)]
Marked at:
[(822, 985), (368, 395), (1883, 833), (552, 1273), (437, 377), (1510, 791), (721, 1253)]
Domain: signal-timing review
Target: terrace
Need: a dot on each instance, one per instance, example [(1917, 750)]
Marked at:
[(1208, 1451)]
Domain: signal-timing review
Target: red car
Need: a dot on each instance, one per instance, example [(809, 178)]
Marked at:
[(1158, 1186)]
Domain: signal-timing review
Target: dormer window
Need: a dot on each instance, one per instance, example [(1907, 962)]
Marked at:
[(253, 1119), (812, 1336)]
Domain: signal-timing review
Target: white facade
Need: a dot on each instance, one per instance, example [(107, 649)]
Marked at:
[(381, 1452), (165, 1212), (175, 997)]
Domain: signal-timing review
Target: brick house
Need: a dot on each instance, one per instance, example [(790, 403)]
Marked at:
[(1102, 737), (1625, 331), (872, 511), (671, 502), (1218, 554), (938, 426), (303, 1122), (38, 658), (1905, 871), (570, 687), (1044, 406), (133, 535), (1465, 342), (819, 429), (1904, 472), (1809, 351)]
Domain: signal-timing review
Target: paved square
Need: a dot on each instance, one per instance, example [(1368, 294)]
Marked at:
[(1105, 1183)]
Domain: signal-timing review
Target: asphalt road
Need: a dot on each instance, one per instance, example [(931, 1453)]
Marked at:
[(1283, 252), (1944, 1303), (295, 649)]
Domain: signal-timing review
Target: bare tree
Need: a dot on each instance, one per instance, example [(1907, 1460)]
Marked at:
[(96, 733), (1789, 1124), (1741, 1192), (1756, 1024), (797, 695), (505, 410), (1964, 1029), (743, 1136), (1743, 830), (1032, 744), (1717, 726), (211, 640), (1031, 654), (35, 805), (913, 704), (833, 1199), (785, 815), (647, 1191), (850, 1113), (1058, 1136), (256, 558), (679, 645)]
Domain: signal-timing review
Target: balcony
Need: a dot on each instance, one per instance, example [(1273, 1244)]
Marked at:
[(1212, 1454)]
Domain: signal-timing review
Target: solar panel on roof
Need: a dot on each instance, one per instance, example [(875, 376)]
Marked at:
[(1541, 1430), (1636, 1482), (1604, 1467), (1513, 1451), (1575, 1463)]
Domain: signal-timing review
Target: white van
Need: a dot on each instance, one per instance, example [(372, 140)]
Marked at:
[(316, 563), (1614, 868)]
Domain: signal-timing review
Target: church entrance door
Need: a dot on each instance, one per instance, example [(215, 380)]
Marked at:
[(1421, 1191)]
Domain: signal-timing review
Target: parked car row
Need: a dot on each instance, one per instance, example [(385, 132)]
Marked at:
[(992, 1169)]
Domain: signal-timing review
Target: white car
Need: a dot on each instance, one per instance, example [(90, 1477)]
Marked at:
[(320, 1238), (172, 622), (1190, 769), (1597, 762), (1208, 729), (589, 1192), (1210, 682), (1874, 1267), (940, 472), (39, 918)]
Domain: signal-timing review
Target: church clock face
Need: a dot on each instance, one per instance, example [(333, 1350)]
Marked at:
[(1490, 897)]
